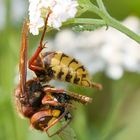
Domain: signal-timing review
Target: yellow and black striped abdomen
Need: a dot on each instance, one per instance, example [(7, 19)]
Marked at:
[(66, 68)]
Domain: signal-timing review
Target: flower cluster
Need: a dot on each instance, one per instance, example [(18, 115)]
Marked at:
[(61, 10), (109, 51)]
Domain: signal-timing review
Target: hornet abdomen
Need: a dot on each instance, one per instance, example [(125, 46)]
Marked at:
[(60, 66)]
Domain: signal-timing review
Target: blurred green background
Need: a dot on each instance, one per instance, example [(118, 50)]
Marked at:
[(114, 113)]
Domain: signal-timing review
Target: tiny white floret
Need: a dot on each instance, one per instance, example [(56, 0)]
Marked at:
[(61, 11)]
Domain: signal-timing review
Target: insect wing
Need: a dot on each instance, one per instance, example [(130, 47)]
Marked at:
[(67, 134), (23, 58)]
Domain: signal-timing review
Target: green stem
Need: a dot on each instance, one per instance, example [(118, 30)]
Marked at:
[(85, 21), (102, 7), (117, 25), (101, 11)]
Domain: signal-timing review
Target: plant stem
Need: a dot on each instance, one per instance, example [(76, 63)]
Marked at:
[(107, 20), (117, 25), (85, 21)]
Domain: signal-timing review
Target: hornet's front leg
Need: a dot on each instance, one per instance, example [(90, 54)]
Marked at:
[(50, 98), (67, 117), (39, 49)]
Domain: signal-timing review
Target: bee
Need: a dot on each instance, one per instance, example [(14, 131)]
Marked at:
[(59, 66), (42, 104)]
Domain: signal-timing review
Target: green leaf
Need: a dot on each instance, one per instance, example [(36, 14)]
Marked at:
[(81, 28)]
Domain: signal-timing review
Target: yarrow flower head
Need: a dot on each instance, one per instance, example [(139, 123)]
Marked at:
[(61, 11)]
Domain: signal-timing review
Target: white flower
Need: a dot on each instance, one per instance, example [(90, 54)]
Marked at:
[(61, 11), (114, 71), (34, 27)]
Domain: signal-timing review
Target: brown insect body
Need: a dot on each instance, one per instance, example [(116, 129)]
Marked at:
[(30, 104), (45, 104), (42, 104)]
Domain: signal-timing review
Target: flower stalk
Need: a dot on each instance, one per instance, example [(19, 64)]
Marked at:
[(106, 19)]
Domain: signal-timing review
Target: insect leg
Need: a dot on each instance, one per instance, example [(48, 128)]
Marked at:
[(79, 98), (50, 100), (51, 89), (39, 49), (23, 59), (40, 120), (97, 85), (55, 122), (61, 129)]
